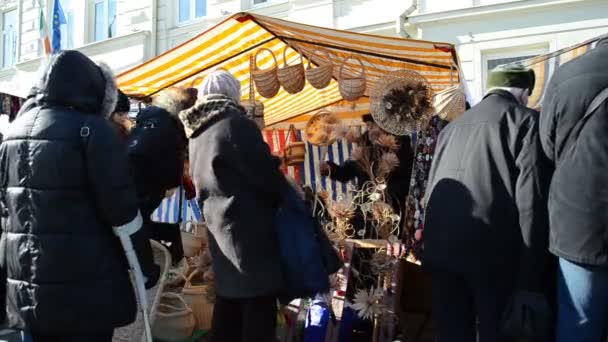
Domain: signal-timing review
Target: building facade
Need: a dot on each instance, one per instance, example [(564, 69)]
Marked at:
[(125, 33), (488, 33)]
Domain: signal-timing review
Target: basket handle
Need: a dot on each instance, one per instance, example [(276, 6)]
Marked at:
[(179, 298), (353, 57), (285, 55), (255, 62), (188, 282), (291, 129), (316, 51), (252, 66)]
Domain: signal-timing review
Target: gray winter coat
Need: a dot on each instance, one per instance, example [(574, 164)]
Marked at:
[(239, 185), (578, 200), (487, 189)]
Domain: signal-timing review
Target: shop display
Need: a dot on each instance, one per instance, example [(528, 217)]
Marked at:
[(352, 87), (320, 76), (414, 218), (266, 80), (401, 102), (291, 77), (320, 127), (450, 103)]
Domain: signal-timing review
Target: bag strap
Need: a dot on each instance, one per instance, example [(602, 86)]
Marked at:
[(593, 107)]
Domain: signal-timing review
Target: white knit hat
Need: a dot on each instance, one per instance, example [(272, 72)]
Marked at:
[(221, 82)]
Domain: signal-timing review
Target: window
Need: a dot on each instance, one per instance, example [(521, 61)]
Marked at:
[(191, 9), (9, 38), (104, 14), (258, 2)]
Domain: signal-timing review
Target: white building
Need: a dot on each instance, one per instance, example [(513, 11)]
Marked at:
[(125, 33), (488, 33)]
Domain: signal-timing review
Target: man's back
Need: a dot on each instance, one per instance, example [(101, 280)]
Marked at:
[(578, 199), (484, 185)]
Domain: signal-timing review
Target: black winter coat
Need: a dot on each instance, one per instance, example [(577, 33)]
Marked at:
[(240, 187), (157, 149), (578, 200), (488, 185), (65, 183), (398, 183)]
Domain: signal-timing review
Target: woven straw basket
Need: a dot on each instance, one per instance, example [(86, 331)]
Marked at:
[(450, 103), (266, 81), (320, 77), (295, 152), (174, 319), (195, 297), (291, 77), (254, 108), (193, 242), (353, 87)]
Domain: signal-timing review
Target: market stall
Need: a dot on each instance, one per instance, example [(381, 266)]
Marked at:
[(289, 73)]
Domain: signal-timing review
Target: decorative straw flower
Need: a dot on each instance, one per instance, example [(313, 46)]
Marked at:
[(388, 163), (387, 141), (342, 210), (381, 211), (368, 304)]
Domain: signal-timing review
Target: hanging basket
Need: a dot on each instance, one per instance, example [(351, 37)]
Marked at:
[(352, 87), (174, 319), (450, 103), (319, 127), (195, 296), (266, 81), (295, 152), (320, 77), (254, 108), (291, 77)]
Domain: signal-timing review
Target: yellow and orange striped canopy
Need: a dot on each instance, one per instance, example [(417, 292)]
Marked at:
[(231, 43)]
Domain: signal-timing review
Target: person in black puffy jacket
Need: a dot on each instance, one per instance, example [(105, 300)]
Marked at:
[(157, 152), (65, 184)]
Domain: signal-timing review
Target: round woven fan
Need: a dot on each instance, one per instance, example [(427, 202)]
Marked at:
[(401, 102), (319, 127)]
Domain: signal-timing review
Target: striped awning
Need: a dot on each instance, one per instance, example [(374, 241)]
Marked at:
[(230, 44)]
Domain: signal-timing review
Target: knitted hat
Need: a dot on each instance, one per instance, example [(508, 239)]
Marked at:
[(513, 76), (221, 82)]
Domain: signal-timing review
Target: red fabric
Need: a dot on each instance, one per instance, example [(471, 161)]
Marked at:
[(189, 188)]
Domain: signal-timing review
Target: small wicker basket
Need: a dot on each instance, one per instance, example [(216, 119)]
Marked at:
[(174, 319), (320, 77), (266, 81), (195, 297), (352, 87), (291, 77), (295, 152)]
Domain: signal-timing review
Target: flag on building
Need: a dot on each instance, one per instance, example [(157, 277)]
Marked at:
[(58, 20), (44, 34)]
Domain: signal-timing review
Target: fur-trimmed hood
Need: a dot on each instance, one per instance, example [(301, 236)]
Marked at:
[(175, 100), (207, 110), (70, 79)]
